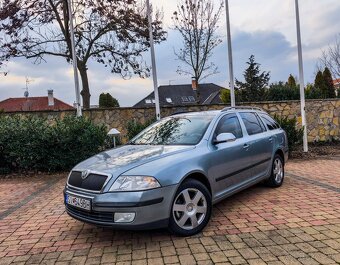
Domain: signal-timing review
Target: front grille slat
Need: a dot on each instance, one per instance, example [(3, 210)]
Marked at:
[(94, 182), (94, 216)]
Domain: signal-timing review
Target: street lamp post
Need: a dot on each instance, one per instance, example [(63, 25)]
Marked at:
[(74, 59), (301, 78), (230, 57), (153, 62)]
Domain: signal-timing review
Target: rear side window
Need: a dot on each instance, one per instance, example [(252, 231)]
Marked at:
[(270, 122), (229, 124), (251, 122)]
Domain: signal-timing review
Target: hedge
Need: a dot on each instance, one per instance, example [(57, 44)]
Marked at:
[(34, 143)]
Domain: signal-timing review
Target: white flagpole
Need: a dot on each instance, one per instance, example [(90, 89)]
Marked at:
[(74, 59), (230, 57), (153, 62), (301, 78)]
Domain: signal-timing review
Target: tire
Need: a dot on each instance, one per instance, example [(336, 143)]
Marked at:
[(190, 214), (277, 172)]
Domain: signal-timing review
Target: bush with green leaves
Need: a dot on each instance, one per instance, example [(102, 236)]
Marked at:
[(134, 127), (33, 143), (294, 134), (282, 91)]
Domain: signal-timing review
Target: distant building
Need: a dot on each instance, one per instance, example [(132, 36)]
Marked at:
[(336, 83), (47, 103), (174, 95)]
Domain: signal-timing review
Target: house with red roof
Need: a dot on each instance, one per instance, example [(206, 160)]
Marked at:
[(336, 83), (48, 103)]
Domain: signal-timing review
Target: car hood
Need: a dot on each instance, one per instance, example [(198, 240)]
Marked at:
[(117, 161)]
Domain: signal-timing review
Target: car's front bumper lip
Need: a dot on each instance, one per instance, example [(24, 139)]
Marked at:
[(152, 207)]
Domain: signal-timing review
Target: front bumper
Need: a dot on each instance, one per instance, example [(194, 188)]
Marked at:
[(152, 207)]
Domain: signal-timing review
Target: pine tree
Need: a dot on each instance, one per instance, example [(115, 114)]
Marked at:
[(328, 82), (320, 90), (253, 89), (291, 82)]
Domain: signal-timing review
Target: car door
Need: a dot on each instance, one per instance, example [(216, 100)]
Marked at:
[(260, 144), (230, 161)]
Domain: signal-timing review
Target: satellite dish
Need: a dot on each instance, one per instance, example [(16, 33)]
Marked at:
[(26, 94)]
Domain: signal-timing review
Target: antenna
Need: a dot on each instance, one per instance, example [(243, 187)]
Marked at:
[(28, 81)]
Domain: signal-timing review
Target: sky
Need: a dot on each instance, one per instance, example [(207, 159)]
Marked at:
[(263, 28)]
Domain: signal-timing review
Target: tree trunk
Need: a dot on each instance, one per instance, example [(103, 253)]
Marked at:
[(198, 91), (85, 93)]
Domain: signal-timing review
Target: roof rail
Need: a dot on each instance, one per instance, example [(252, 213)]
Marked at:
[(242, 107)]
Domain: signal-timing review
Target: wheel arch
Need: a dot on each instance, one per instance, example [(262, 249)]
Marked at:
[(199, 176), (280, 153)]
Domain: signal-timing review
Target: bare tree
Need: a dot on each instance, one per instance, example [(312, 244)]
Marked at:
[(197, 22), (111, 32), (331, 58)]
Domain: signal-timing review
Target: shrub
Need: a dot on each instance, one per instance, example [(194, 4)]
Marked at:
[(280, 91), (107, 101), (38, 144), (134, 127), (294, 134)]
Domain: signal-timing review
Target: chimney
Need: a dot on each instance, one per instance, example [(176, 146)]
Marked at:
[(50, 97), (194, 83)]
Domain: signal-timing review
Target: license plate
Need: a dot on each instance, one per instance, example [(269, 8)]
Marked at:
[(78, 202)]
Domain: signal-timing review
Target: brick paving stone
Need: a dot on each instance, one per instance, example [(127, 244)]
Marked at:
[(299, 223), (187, 259), (217, 257)]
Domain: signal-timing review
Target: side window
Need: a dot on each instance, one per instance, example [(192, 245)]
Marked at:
[(261, 123), (229, 124), (270, 122), (251, 122)]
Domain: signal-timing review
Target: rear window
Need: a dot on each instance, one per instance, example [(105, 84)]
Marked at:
[(270, 122), (251, 122)]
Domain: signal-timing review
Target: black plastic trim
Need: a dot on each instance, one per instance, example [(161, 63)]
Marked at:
[(128, 204), (243, 169)]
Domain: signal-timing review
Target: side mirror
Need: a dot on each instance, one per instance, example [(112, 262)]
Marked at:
[(224, 138)]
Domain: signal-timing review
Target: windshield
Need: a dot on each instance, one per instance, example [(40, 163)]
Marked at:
[(183, 130)]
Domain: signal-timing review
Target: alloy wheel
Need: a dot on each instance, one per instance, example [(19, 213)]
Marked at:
[(189, 208), (278, 170)]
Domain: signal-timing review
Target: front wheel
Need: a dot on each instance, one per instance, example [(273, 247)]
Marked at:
[(191, 208), (277, 174)]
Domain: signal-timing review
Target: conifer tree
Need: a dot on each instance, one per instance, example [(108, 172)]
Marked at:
[(254, 87), (328, 82)]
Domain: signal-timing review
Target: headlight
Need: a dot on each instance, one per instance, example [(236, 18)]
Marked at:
[(134, 183)]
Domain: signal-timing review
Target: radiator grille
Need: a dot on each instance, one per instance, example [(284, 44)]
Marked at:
[(94, 182)]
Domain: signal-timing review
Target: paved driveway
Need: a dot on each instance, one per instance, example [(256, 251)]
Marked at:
[(298, 223)]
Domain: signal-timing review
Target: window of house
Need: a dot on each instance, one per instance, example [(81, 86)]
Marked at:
[(185, 99), (251, 122), (191, 99)]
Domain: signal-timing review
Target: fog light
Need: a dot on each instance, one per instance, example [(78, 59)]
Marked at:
[(124, 217)]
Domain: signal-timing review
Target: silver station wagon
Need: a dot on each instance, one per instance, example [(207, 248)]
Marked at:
[(172, 173)]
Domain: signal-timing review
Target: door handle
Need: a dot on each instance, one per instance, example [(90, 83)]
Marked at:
[(246, 146), (270, 139)]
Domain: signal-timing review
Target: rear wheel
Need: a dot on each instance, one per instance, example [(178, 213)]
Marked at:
[(191, 208), (277, 173)]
